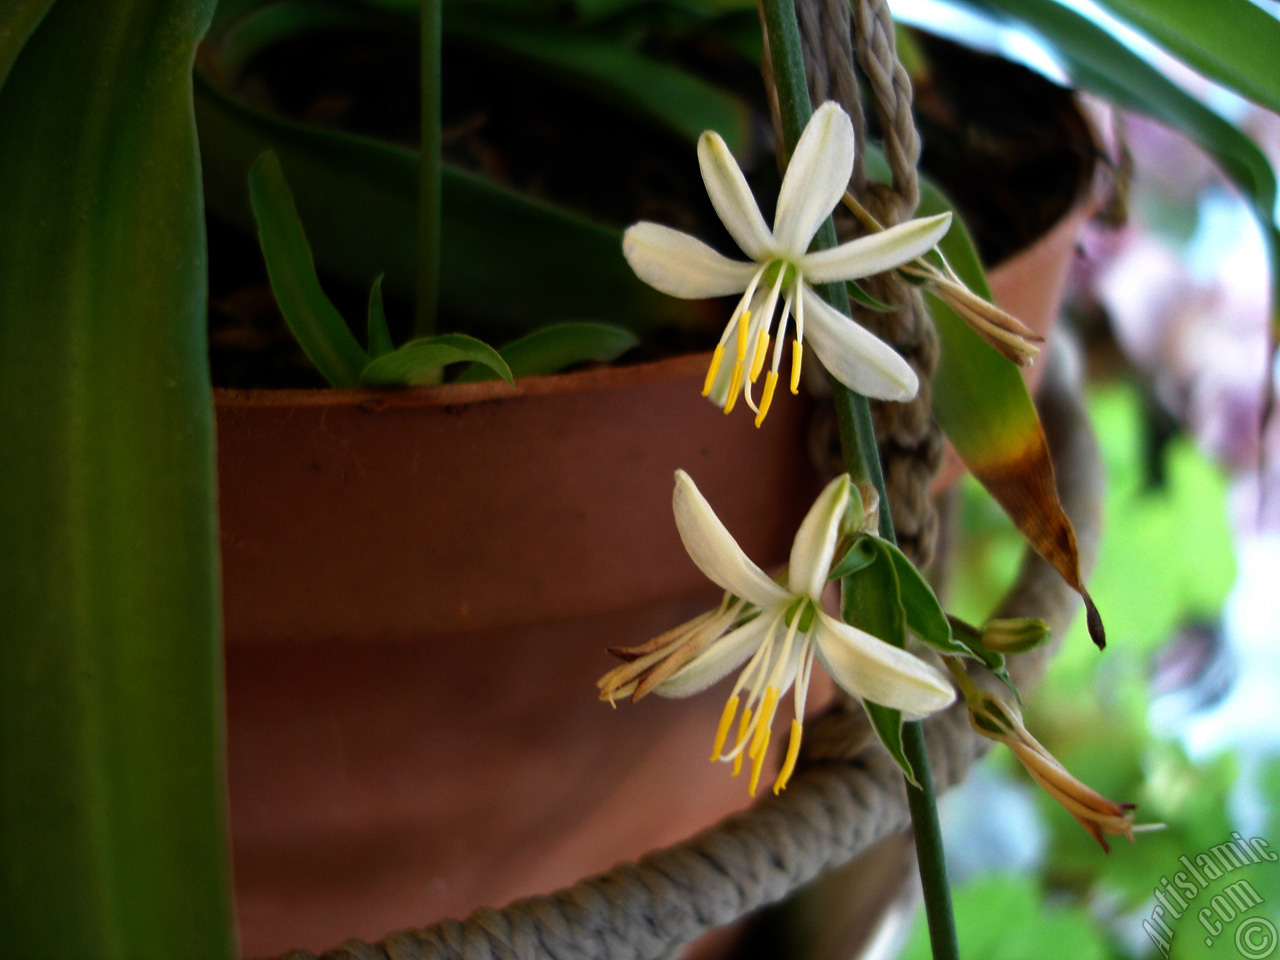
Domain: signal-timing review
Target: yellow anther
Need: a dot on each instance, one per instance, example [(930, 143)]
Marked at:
[(789, 764), (757, 763), (762, 348), (797, 353), (735, 388), (743, 725), (716, 358), (770, 384), (766, 720), (742, 335), (722, 731)]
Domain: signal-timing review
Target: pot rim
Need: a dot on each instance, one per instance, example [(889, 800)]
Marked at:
[(605, 377)]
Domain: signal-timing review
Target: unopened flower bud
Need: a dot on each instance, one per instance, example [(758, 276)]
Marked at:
[(1015, 635)]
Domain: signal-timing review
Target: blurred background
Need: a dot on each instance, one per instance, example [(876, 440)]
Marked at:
[(1181, 714)]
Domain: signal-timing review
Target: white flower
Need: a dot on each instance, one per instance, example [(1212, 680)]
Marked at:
[(777, 631), (782, 269)]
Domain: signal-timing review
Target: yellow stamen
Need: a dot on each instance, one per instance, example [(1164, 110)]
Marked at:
[(793, 754), (797, 353), (722, 731), (716, 358), (735, 388), (742, 335), (766, 719), (743, 724), (757, 763), (770, 384), (762, 347)]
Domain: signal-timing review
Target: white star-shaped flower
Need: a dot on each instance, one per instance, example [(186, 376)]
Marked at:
[(776, 630), (781, 269)]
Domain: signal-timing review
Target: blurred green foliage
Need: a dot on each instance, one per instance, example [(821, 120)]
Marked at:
[(1166, 559)]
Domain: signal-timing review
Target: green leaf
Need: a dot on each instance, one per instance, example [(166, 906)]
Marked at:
[(982, 404), (861, 554), (112, 812), (18, 20), (860, 296), (607, 70), (419, 362), (314, 320), (871, 601), (268, 23), (1099, 62), (1234, 42), (554, 348), (887, 724), (358, 198), (379, 336), (925, 616)]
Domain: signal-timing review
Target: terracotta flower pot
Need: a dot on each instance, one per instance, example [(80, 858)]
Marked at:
[(419, 590)]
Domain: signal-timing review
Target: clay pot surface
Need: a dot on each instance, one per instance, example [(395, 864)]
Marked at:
[(419, 590)]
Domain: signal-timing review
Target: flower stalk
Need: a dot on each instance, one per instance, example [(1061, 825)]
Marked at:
[(857, 438)]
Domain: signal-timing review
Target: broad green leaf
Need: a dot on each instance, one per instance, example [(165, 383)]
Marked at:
[(1234, 42), (259, 28), (659, 92), (508, 262), (552, 349), (314, 320), (378, 335), (982, 404), (870, 600), (419, 362), (112, 773), (18, 20), (925, 616), (1099, 62)]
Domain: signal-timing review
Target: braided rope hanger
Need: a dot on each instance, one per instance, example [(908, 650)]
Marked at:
[(848, 793)]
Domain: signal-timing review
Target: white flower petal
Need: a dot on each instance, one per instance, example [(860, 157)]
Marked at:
[(877, 671), (682, 266), (816, 178), (718, 660), (876, 252), (732, 198), (815, 542), (715, 551), (854, 355)]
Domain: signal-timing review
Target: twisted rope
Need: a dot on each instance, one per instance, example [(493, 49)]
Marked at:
[(911, 444)]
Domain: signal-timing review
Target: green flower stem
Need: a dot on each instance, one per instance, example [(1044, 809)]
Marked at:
[(857, 439), (429, 171)]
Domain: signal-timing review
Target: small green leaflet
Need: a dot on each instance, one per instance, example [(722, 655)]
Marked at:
[(379, 336), (557, 347), (314, 320), (420, 362)]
